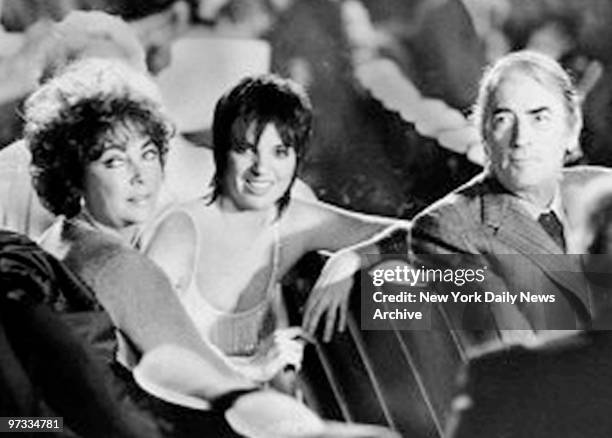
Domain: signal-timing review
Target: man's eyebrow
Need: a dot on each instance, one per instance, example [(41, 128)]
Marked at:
[(501, 110), (538, 110)]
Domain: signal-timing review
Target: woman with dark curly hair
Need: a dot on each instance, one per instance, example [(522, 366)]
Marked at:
[(98, 138)]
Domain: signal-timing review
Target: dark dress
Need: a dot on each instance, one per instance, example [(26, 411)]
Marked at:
[(59, 350)]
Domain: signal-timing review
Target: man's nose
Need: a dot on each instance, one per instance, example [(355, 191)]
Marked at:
[(521, 133)]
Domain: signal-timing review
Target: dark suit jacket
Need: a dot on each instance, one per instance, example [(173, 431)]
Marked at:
[(560, 389), (481, 218)]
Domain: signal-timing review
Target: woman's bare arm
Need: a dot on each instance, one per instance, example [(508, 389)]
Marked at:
[(317, 226), (352, 238), (173, 248)]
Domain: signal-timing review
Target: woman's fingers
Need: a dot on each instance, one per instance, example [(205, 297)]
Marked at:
[(343, 315), (330, 321), (330, 297), (327, 303), (313, 316), (312, 311)]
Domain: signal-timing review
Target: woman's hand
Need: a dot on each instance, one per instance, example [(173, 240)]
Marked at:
[(331, 293), (284, 347)]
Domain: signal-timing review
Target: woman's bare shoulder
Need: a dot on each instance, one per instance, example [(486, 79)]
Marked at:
[(300, 213), (178, 223), (173, 247), (173, 235)]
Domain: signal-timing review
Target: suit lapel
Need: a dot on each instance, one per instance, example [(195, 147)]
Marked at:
[(510, 224)]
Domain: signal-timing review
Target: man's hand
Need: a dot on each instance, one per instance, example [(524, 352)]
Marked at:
[(331, 294)]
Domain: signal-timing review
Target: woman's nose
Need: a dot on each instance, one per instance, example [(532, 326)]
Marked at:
[(260, 162), (135, 169)]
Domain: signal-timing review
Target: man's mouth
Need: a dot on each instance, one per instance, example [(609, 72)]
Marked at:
[(522, 160)]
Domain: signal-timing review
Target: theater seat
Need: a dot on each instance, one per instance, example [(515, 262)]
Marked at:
[(404, 380)]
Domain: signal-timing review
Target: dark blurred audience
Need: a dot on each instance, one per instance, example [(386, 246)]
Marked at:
[(561, 388), (593, 239), (156, 22)]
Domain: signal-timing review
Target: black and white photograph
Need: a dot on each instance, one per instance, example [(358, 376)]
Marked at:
[(306, 218)]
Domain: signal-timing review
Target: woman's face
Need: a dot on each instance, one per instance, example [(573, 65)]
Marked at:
[(258, 175), (121, 187)]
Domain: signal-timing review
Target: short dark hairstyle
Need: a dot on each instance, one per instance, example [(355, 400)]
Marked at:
[(261, 100), (72, 118)]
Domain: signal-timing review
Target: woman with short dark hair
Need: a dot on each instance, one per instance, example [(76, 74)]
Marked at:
[(226, 254), (260, 101)]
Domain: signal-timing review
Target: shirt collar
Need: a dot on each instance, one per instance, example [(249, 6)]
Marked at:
[(556, 206)]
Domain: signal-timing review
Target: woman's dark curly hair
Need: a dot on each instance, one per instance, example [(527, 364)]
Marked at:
[(73, 118), (260, 100)]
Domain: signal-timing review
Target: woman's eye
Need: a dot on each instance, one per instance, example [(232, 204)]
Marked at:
[(150, 154), (242, 147), (113, 162), (281, 151)]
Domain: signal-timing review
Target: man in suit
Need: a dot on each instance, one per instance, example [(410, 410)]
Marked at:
[(515, 216), (561, 387)]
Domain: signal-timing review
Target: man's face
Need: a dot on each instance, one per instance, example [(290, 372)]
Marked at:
[(527, 134)]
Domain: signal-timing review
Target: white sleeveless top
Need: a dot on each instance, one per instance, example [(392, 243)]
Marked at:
[(234, 333)]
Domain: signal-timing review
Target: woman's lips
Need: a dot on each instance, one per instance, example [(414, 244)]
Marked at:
[(258, 186), (140, 199)]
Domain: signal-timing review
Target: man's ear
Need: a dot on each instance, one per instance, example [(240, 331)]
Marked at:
[(573, 149)]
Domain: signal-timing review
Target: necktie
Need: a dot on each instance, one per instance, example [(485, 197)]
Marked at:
[(551, 224)]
